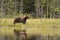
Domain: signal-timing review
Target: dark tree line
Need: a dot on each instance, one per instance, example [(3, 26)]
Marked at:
[(39, 8)]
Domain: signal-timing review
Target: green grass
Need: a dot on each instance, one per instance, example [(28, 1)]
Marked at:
[(31, 22), (33, 26)]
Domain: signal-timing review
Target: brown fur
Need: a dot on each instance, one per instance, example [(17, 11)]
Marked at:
[(21, 20)]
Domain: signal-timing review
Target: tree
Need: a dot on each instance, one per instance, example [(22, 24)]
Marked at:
[(4, 5), (39, 8)]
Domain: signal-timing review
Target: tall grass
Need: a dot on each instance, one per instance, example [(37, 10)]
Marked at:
[(31, 22), (35, 26)]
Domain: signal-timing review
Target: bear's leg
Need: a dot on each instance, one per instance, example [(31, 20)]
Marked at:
[(14, 22), (24, 22)]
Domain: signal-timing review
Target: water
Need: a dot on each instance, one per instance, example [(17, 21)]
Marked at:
[(7, 33)]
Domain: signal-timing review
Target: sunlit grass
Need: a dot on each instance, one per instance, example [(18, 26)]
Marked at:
[(31, 22), (33, 26)]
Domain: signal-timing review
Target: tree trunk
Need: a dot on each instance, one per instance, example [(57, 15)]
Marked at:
[(4, 5), (16, 6), (39, 8), (53, 8), (19, 6), (47, 8)]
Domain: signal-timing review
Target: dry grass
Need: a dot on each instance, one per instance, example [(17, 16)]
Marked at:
[(33, 26)]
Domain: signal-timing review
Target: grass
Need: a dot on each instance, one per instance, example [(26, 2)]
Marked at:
[(31, 22), (33, 26)]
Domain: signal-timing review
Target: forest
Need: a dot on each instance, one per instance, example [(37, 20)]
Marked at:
[(33, 8)]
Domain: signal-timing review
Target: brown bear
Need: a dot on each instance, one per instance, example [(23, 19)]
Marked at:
[(21, 19)]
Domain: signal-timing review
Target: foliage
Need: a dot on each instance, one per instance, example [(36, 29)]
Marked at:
[(13, 7)]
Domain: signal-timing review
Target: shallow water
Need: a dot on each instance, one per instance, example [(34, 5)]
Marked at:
[(7, 33)]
